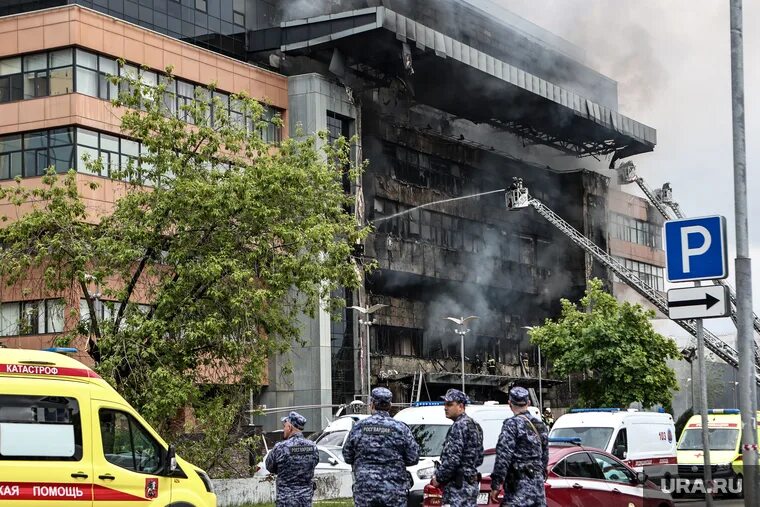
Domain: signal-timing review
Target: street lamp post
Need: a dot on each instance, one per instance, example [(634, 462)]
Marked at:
[(461, 331), (367, 321)]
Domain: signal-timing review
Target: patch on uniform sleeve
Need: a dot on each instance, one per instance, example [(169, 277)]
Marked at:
[(151, 487), (376, 429), (301, 449)]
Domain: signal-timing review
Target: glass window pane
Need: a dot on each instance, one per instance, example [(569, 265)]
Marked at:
[(109, 143), (10, 143), (40, 427), (108, 66), (35, 140), (87, 138), (61, 81), (62, 136), (87, 82), (9, 319), (147, 450), (60, 58), (11, 88), (16, 164), (129, 147), (5, 166), (35, 84), (35, 62), (86, 59), (117, 442), (62, 157), (10, 66), (35, 163), (55, 310), (81, 152)]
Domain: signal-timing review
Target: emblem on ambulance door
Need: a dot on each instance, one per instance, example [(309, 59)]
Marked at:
[(151, 487)]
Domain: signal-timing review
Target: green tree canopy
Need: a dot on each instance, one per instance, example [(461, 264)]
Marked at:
[(614, 345), (222, 237)]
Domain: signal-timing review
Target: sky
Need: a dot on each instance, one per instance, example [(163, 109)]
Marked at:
[(672, 61)]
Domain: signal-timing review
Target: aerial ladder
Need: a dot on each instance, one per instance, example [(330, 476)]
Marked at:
[(662, 197), (518, 197)]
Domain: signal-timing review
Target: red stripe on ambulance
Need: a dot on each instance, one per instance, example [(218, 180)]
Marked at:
[(63, 491), (53, 371), (45, 491)]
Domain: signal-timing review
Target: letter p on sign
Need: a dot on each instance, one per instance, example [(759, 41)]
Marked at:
[(695, 249)]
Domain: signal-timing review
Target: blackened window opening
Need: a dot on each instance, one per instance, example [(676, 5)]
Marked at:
[(396, 341)]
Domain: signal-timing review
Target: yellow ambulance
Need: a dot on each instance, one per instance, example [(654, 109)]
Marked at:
[(725, 433), (67, 438)]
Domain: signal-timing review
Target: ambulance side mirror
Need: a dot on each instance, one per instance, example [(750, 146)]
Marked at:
[(171, 459), (620, 452)]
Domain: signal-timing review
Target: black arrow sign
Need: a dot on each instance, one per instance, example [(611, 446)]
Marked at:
[(709, 301)]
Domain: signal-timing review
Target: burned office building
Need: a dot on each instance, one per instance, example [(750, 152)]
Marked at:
[(451, 102)]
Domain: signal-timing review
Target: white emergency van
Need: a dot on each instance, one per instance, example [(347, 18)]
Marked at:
[(429, 425), (641, 439)]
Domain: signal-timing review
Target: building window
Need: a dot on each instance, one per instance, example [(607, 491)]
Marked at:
[(200, 5), (411, 166), (651, 275), (31, 154), (238, 12), (396, 341), (36, 75), (635, 231), (18, 318)]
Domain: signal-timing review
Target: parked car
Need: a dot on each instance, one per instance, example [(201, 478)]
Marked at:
[(582, 477), (330, 461), (336, 433), (429, 426)]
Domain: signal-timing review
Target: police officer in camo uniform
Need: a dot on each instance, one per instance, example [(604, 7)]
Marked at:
[(293, 460), (522, 454), (457, 472), (380, 448)]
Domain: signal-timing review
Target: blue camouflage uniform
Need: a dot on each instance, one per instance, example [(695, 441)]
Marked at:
[(461, 456), (380, 448), (294, 461), (522, 454)]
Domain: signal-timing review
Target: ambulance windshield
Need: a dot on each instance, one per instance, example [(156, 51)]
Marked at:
[(721, 439), (590, 436)]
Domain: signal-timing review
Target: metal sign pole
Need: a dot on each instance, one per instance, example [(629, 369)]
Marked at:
[(703, 412), (744, 327)]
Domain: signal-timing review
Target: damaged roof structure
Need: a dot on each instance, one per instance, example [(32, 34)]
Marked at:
[(477, 86)]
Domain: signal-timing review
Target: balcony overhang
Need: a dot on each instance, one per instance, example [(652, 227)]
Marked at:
[(457, 78)]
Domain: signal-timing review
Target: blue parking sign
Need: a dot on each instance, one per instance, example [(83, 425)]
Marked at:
[(695, 249)]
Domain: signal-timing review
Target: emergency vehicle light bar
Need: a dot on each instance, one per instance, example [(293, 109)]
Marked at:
[(582, 410), (565, 440), (427, 403), (723, 411), (62, 350)]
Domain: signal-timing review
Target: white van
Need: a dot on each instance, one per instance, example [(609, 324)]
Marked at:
[(639, 438), (336, 433), (429, 425)]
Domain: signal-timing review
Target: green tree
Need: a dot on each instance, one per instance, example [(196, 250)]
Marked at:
[(614, 346), (223, 237)]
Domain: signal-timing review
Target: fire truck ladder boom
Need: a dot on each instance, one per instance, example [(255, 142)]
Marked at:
[(519, 198), (664, 197)]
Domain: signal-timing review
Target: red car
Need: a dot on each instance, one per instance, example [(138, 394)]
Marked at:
[(582, 477)]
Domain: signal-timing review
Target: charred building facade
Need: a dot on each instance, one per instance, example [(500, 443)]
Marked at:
[(449, 100)]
